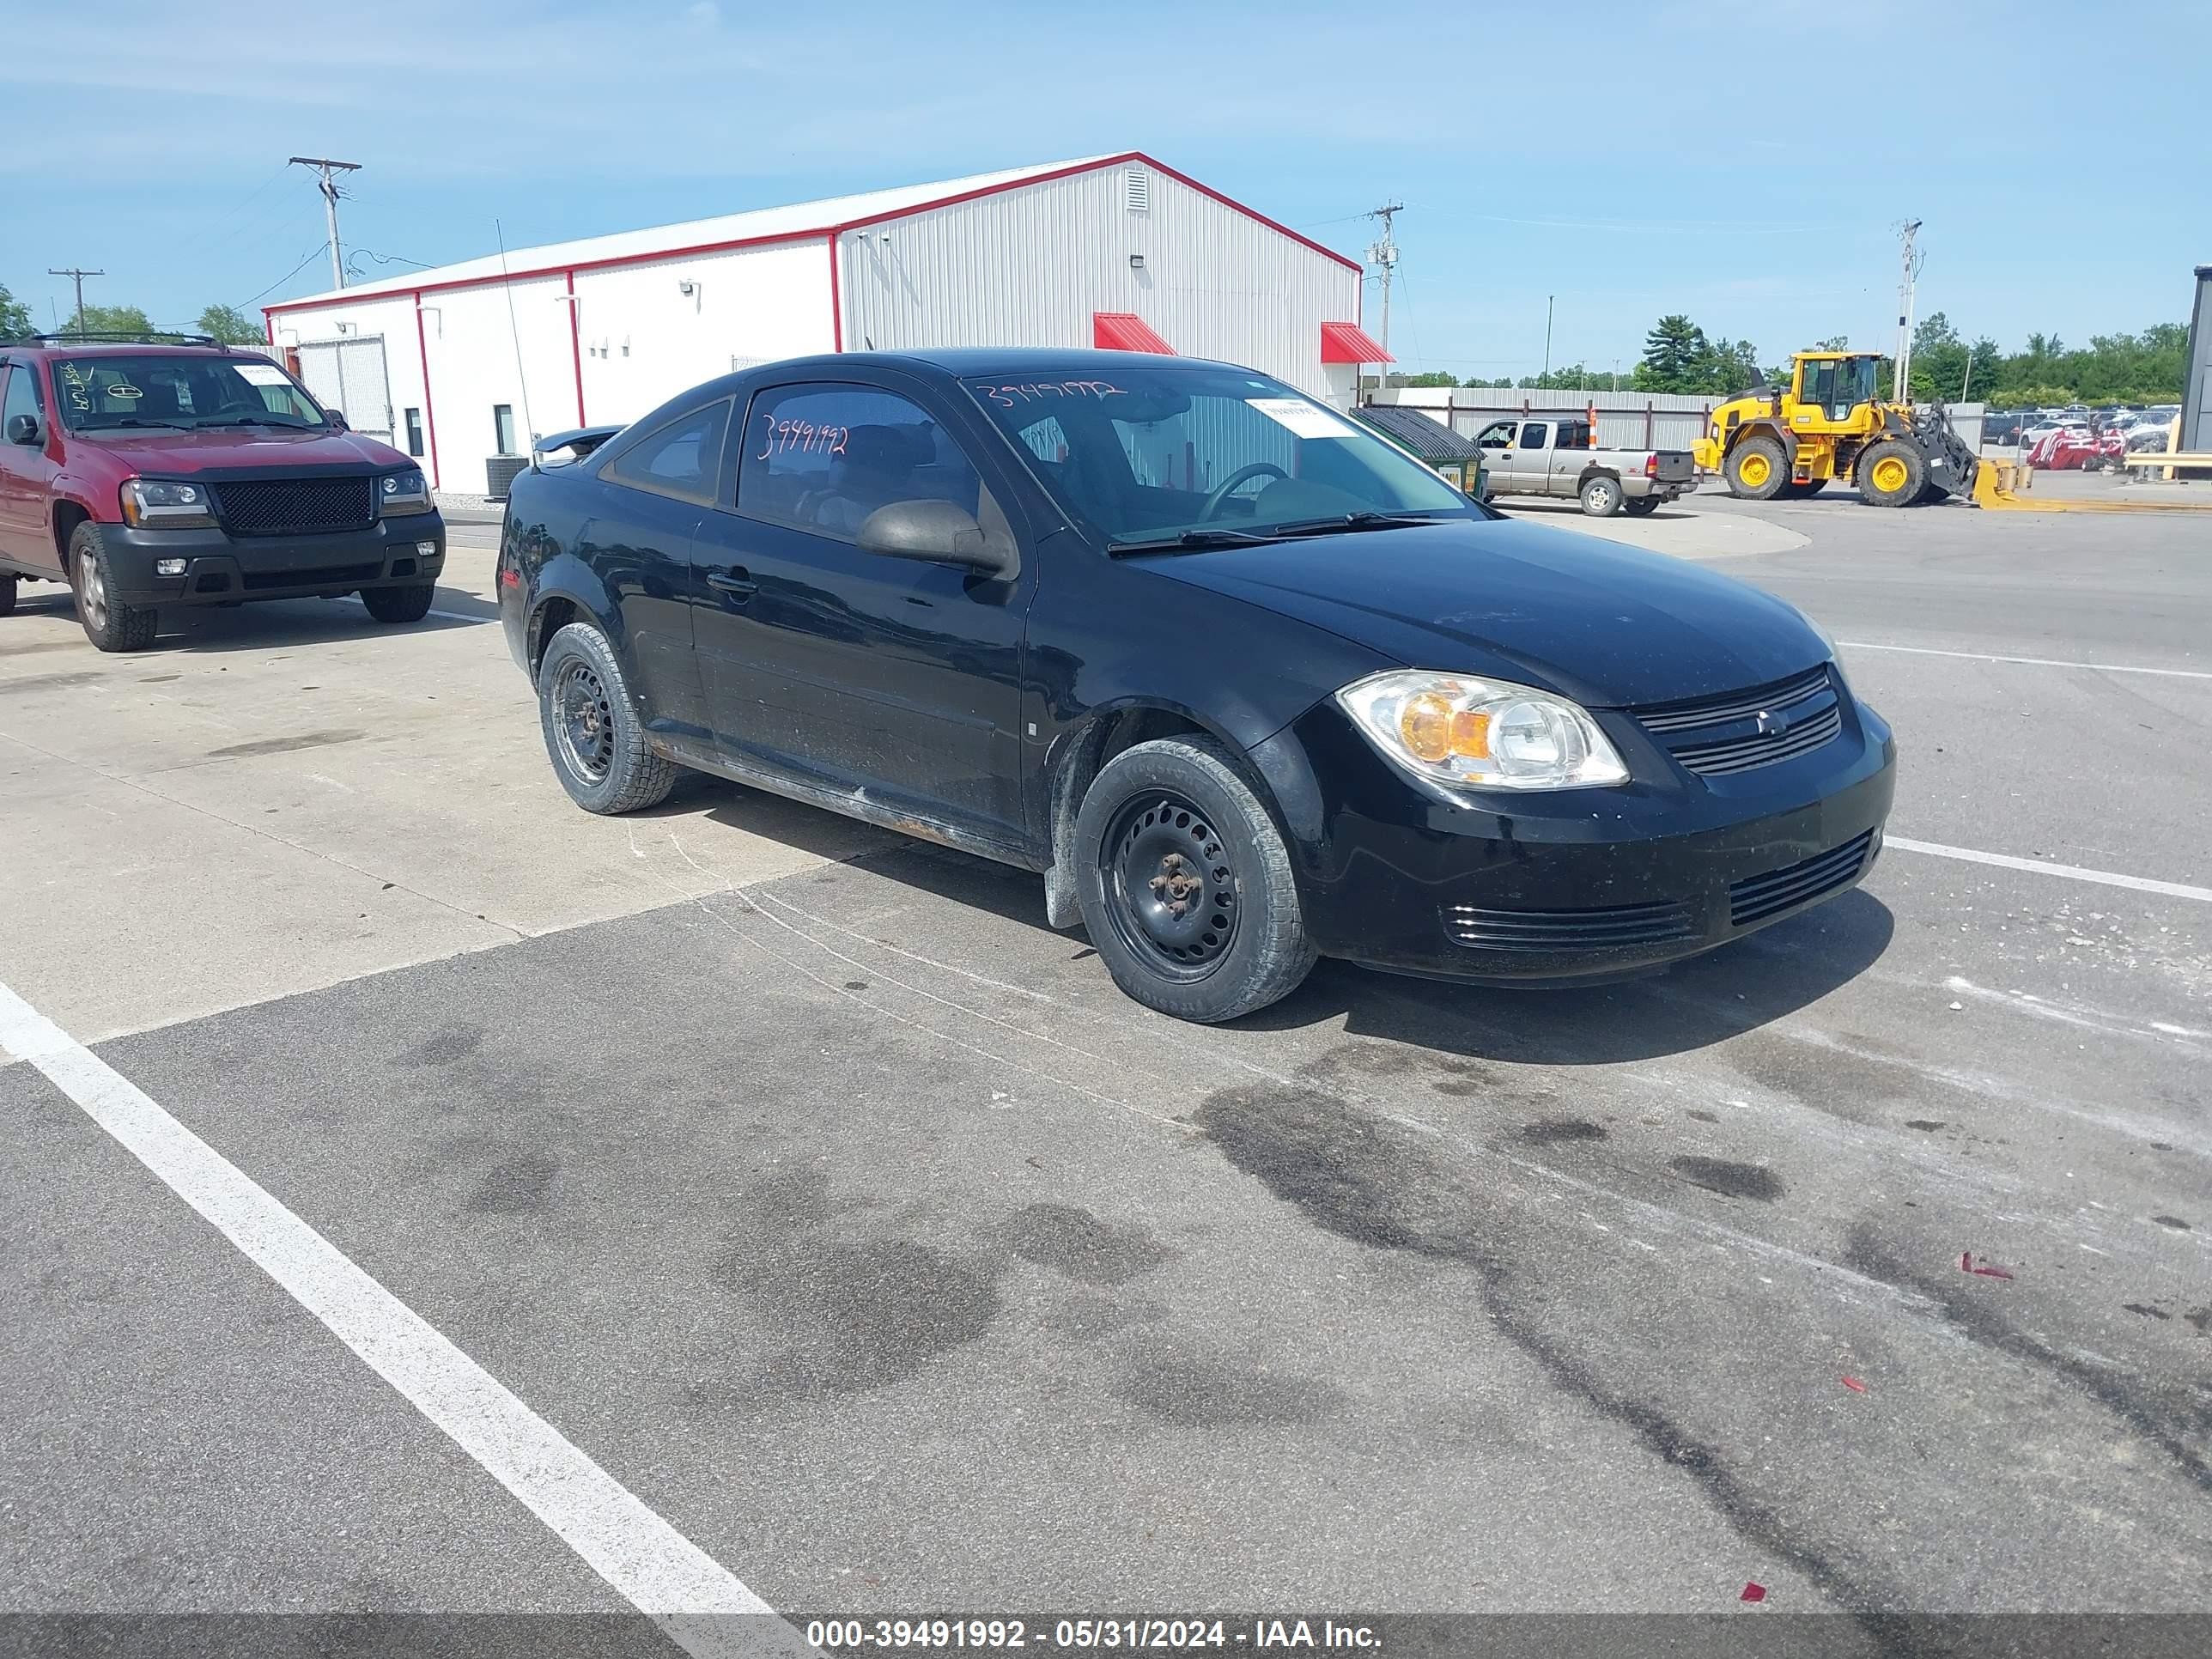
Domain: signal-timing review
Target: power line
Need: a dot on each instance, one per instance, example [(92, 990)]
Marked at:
[(330, 190), (288, 274)]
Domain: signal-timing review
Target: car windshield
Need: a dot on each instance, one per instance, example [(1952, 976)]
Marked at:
[(183, 392), (1185, 453)]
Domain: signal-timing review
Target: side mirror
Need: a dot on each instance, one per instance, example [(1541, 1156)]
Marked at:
[(936, 532), (337, 420), (22, 429)]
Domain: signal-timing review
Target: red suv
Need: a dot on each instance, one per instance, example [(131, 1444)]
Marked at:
[(146, 475)]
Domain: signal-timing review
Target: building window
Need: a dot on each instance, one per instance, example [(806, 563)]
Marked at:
[(414, 432), (503, 429)]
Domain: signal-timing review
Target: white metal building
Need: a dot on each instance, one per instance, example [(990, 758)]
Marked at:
[(462, 363)]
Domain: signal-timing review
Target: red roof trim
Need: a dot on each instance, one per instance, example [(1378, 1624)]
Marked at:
[(1124, 331), (619, 260), (1347, 342)]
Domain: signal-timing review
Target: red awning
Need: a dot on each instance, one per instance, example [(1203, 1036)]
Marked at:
[(1124, 331), (1346, 343)]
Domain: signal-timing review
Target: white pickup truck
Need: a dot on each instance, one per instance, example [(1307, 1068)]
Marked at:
[(1551, 454)]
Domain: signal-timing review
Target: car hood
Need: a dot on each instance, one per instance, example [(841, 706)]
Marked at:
[(1608, 625), (236, 448)]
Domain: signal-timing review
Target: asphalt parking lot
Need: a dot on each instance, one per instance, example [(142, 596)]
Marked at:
[(794, 1181)]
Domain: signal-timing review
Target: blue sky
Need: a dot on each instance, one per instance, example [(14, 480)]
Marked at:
[(1746, 163)]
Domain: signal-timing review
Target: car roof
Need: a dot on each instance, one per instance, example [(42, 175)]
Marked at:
[(963, 361), (123, 349)]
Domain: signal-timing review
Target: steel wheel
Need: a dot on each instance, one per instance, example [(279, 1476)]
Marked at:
[(92, 592), (1890, 474), (1755, 472), (1171, 896), (584, 721)]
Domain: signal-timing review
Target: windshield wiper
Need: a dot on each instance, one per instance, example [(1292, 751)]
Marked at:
[(1192, 538), (258, 420), (1350, 522), (131, 420)]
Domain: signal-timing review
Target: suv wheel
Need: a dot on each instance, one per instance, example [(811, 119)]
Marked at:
[(1186, 885), (108, 624), (399, 604), (592, 729)]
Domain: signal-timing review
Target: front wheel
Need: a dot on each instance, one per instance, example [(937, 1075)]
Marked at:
[(1186, 885), (592, 730), (109, 622), (399, 604), (1892, 474), (1601, 497), (1756, 469)]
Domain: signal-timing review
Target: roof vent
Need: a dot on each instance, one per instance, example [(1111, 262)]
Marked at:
[(1137, 190)]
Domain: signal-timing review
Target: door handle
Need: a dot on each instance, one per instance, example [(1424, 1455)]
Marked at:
[(735, 582)]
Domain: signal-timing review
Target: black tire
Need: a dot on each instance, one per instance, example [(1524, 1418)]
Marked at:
[(1811, 487), (110, 625), (591, 727), (1218, 932), (1641, 507), (1602, 496), (1933, 494), (1902, 464), (6, 596), (1751, 454), (399, 604)]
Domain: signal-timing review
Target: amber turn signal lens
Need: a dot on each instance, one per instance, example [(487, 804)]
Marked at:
[(1470, 734)]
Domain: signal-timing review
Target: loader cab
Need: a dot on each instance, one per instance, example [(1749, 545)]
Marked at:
[(1834, 391)]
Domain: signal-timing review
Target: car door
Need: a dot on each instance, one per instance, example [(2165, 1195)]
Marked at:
[(1499, 442), (894, 679), (1532, 459), (26, 473), (1569, 444)]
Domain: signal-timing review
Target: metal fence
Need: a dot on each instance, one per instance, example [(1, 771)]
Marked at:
[(1626, 420)]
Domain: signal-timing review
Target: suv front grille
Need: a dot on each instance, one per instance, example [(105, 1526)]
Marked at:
[(1756, 898), (295, 506), (1739, 731)]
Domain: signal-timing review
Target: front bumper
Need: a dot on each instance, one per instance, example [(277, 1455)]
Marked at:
[(1577, 885), (221, 568)]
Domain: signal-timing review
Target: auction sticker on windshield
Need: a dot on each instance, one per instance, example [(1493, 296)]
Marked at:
[(1304, 420), (262, 374)]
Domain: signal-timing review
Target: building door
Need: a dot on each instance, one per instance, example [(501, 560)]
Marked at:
[(349, 376)]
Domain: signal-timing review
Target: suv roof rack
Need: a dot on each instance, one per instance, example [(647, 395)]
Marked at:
[(119, 336)]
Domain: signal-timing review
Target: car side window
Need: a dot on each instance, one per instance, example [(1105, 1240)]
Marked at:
[(682, 458), (1498, 434), (821, 457), (1533, 434), (1573, 434), (21, 394)]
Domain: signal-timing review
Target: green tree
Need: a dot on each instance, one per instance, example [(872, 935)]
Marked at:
[(114, 320), (230, 325), (15, 322), (1675, 354), (1729, 367)]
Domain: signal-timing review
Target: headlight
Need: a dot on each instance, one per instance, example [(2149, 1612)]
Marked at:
[(157, 504), (404, 492), (1452, 730)]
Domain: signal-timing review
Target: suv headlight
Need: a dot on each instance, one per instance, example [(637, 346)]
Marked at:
[(159, 504), (1457, 730), (403, 492)]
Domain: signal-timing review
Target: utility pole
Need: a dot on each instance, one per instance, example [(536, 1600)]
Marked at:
[(1549, 298), (1902, 392), (1384, 253), (76, 276), (330, 189)]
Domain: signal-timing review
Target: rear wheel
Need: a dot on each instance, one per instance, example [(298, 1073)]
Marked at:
[(592, 730), (1756, 469), (109, 622), (399, 604), (1641, 506), (1185, 883), (1892, 474), (1601, 497)]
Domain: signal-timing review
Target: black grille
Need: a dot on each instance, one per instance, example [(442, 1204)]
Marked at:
[(329, 575), (1562, 930), (1756, 898), (1738, 730), (295, 506)]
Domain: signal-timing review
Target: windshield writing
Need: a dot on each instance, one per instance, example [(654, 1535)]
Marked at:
[(184, 392)]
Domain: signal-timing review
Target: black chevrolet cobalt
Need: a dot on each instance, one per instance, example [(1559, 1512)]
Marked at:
[(1246, 682)]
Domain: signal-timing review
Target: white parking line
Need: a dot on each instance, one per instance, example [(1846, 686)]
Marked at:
[(663, 1574), (2033, 662), (2044, 867)]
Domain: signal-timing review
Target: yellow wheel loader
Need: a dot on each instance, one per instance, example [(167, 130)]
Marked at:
[(1776, 443)]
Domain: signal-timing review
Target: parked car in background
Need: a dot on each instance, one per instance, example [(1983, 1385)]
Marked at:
[(2069, 448), (2003, 428), (1555, 455), (1247, 684), (150, 476)]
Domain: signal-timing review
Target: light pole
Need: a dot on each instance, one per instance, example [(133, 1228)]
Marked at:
[(1547, 374)]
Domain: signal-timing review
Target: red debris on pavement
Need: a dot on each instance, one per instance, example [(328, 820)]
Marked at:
[(1854, 1385), (1755, 1592), (1968, 1264)]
